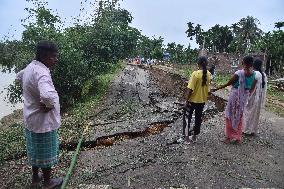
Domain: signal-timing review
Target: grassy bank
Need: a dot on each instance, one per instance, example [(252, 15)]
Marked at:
[(275, 101), (12, 141)]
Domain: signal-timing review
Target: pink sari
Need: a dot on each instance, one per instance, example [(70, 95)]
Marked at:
[(235, 109)]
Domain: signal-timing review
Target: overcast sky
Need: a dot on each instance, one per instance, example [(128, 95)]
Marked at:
[(166, 18)]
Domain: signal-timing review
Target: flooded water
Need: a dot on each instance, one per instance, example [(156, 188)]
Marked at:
[(5, 106)]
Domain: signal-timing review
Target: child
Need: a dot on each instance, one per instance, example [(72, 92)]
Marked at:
[(243, 83), (196, 96)]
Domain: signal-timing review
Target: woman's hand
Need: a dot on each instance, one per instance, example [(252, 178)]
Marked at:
[(44, 108), (187, 104), (213, 90)]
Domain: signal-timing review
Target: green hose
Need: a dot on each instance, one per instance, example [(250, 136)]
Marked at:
[(73, 162)]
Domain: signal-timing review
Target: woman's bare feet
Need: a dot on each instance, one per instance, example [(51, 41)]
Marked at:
[(226, 140), (238, 141), (186, 140)]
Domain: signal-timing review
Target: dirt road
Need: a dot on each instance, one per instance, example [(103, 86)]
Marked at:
[(140, 123), (132, 143)]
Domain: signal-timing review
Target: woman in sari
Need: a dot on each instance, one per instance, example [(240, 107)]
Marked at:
[(256, 101), (243, 84)]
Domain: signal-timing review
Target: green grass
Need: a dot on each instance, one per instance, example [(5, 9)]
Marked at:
[(222, 79), (275, 93), (275, 109), (188, 72), (77, 118), (12, 142), (277, 97)]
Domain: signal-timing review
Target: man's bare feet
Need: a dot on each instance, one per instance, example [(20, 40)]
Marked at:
[(53, 183), (36, 180)]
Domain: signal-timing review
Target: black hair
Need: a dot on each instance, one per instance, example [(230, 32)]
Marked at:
[(257, 65), (248, 60), (202, 61), (44, 48)]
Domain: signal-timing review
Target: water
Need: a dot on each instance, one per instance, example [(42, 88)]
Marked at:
[(5, 106)]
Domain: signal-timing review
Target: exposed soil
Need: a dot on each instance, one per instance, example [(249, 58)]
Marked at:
[(141, 97), (132, 143)]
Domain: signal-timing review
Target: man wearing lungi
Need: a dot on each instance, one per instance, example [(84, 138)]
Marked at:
[(41, 114)]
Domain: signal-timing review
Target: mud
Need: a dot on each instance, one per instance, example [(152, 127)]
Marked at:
[(132, 142), (140, 97)]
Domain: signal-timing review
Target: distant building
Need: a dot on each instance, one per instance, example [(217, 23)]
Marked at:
[(229, 62)]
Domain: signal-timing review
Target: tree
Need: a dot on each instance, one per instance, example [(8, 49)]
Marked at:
[(85, 51), (190, 30), (219, 38), (279, 25), (246, 32), (216, 38), (272, 44), (196, 32), (179, 54)]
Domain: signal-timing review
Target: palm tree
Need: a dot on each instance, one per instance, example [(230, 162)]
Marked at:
[(246, 32), (279, 25)]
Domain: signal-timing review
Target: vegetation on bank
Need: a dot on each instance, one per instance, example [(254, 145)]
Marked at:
[(91, 46), (12, 141)]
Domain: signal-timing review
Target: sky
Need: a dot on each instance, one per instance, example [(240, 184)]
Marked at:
[(165, 18)]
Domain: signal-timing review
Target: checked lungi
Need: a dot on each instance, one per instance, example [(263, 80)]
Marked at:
[(42, 148)]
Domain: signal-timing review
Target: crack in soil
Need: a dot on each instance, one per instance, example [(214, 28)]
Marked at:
[(160, 106), (110, 140)]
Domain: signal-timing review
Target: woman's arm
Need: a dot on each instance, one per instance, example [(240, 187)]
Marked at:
[(253, 87), (230, 82), (188, 93)]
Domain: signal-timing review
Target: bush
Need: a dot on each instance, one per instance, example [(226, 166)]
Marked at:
[(85, 50)]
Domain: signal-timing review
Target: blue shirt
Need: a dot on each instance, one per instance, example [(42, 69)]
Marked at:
[(248, 81)]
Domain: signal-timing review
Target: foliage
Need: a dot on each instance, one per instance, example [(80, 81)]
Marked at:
[(241, 38), (279, 25), (85, 50), (12, 142), (188, 72), (246, 33), (149, 48), (215, 39), (219, 37), (272, 43), (110, 37), (237, 38), (222, 79), (179, 54)]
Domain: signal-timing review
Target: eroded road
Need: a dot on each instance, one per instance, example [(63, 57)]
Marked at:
[(132, 142)]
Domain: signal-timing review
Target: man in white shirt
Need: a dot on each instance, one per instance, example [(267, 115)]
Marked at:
[(41, 114)]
